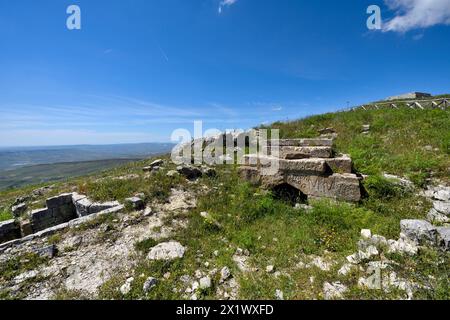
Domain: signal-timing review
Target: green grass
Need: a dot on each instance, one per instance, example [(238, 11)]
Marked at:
[(5, 215), (395, 144)]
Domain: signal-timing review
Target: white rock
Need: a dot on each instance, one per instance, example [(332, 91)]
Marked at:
[(366, 234), (126, 287), (334, 290), (166, 251), (443, 194), (442, 207), (279, 294), (346, 269), (436, 217), (402, 246), (418, 231), (320, 263), (205, 283), (270, 269), (225, 273)]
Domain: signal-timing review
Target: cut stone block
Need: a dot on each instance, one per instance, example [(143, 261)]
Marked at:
[(136, 203), (337, 186), (97, 207), (19, 209), (341, 164), (82, 204), (26, 228), (9, 230), (60, 200), (317, 142), (304, 166), (291, 153)]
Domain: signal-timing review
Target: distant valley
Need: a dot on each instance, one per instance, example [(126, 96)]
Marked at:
[(20, 166)]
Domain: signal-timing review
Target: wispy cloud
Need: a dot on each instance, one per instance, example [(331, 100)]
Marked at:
[(226, 3), (417, 14)]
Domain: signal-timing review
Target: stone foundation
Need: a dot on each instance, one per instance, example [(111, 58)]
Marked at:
[(9, 230), (60, 210), (307, 165)]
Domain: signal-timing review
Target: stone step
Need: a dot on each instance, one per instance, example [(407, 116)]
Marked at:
[(341, 164), (313, 142), (301, 166), (293, 153)]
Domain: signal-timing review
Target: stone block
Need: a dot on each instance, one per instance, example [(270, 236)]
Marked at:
[(342, 164), (60, 200), (337, 186), (315, 142), (9, 230), (135, 203), (291, 153), (26, 228), (97, 207), (304, 166), (82, 206)]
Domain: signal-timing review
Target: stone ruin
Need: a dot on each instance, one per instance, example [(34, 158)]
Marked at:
[(60, 210), (307, 166)]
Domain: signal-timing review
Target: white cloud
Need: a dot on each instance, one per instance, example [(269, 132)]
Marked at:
[(417, 14), (226, 3)]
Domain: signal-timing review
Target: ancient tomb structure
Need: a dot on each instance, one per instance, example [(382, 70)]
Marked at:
[(307, 165), (60, 209)]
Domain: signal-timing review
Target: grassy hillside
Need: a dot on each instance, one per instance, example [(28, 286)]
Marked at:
[(406, 142), (275, 233)]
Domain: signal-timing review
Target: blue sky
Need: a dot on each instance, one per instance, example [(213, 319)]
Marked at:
[(139, 69)]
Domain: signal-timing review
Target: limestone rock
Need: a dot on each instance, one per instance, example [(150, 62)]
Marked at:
[(402, 246), (172, 173), (270, 269), (279, 295), (333, 291), (191, 173), (292, 153), (48, 252), (149, 284), (442, 195), (442, 207), (157, 163), (19, 209), (443, 237), (436, 217), (167, 251), (82, 205), (9, 230), (225, 273), (205, 283), (101, 206), (135, 202), (418, 231), (126, 287)]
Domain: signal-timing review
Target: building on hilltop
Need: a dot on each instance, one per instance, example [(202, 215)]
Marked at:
[(411, 95)]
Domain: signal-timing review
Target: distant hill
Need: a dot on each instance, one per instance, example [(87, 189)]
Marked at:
[(17, 157), (42, 173)]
